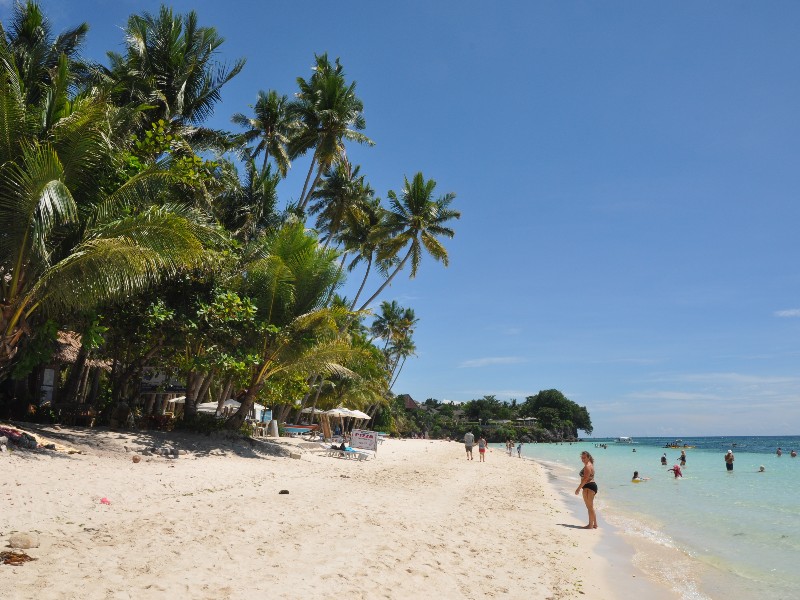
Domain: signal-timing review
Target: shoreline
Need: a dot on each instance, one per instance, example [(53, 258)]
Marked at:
[(212, 523), (625, 577)]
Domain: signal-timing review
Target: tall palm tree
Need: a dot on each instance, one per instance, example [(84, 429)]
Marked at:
[(339, 199), (35, 53), (361, 237), (329, 113), (400, 351), (169, 62), (271, 127), (415, 219), (248, 208), (388, 322)]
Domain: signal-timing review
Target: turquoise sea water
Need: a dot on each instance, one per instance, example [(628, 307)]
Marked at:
[(711, 534)]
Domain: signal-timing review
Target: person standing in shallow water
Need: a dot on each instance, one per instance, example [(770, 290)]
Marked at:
[(588, 487), (729, 460)]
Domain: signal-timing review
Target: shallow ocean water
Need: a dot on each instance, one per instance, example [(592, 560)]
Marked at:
[(711, 533)]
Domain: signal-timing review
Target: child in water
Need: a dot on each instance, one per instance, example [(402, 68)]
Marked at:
[(677, 470)]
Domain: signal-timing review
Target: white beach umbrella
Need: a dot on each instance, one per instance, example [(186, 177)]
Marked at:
[(338, 412), (359, 415)]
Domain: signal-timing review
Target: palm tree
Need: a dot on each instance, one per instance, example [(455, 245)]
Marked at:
[(339, 199), (248, 208), (75, 232), (415, 219), (169, 62), (271, 126), (401, 350), (388, 322), (329, 113), (288, 277), (361, 236), (33, 51)]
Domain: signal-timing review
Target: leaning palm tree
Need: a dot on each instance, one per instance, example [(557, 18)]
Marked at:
[(415, 219), (288, 276), (361, 237), (339, 199), (329, 113), (271, 127), (399, 351)]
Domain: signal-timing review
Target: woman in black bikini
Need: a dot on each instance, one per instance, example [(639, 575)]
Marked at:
[(589, 488)]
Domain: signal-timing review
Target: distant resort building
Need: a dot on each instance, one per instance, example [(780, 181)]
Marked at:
[(409, 402)]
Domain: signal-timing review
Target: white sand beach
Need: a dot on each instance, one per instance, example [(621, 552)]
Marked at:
[(211, 523)]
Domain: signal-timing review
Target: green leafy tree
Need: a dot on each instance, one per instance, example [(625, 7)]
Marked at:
[(288, 276), (79, 233)]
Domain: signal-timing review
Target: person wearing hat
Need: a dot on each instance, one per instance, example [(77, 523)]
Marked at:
[(729, 460)]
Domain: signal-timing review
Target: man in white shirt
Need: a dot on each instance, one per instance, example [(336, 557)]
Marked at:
[(469, 442)]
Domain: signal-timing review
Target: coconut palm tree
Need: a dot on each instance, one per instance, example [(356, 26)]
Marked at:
[(248, 208), (399, 351), (288, 276), (361, 236), (329, 113), (271, 127), (169, 63), (76, 231), (415, 219), (339, 199), (35, 53)]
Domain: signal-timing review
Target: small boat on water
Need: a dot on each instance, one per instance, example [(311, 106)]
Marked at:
[(678, 444), (623, 440)]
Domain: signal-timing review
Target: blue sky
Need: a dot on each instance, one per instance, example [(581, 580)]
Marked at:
[(627, 175)]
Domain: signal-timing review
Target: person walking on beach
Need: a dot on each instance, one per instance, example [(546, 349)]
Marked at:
[(729, 460), (469, 442), (589, 488), (519, 450), (482, 449)]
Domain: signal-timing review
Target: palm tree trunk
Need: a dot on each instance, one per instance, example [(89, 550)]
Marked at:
[(363, 283), (398, 373), (312, 188), (226, 389), (301, 203), (206, 383), (388, 280), (75, 375), (193, 380), (236, 420)]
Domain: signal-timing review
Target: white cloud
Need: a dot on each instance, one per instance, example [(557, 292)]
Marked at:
[(791, 312), (490, 360)]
